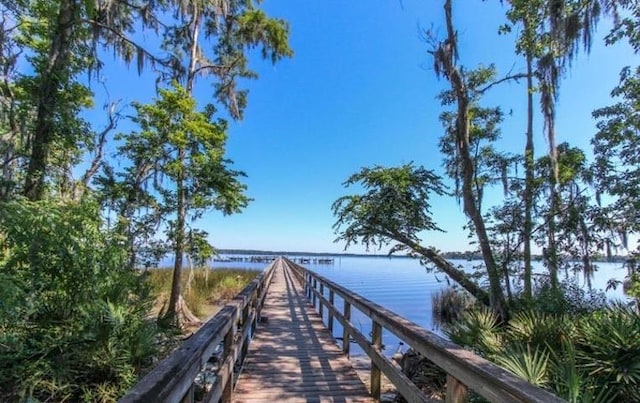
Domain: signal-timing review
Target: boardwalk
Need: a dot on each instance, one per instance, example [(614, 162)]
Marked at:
[(293, 357)]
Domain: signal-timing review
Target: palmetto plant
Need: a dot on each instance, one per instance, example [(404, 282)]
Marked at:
[(594, 357), (478, 329), (572, 382), (608, 344), (528, 364), (539, 329)]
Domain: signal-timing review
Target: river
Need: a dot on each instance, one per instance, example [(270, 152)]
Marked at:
[(405, 287)]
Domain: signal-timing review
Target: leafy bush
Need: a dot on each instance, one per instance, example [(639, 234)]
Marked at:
[(540, 329), (478, 329), (608, 344), (527, 364), (587, 357), (569, 298), (73, 321)]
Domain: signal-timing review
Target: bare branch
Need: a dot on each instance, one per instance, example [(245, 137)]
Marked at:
[(514, 77), (96, 163)]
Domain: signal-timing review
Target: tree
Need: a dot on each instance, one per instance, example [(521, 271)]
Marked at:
[(395, 208), (616, 145), (211, 40), (525, 12), (551, 36), (617, 153), (578, 236), (62, 37), (12, 133), (445, 64), (231, 30), (184, 150)]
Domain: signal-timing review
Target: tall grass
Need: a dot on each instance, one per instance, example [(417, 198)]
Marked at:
[(203, 289), (449, 304)]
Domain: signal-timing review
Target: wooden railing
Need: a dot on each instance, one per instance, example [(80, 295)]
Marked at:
[(464, 368), (227, 333)]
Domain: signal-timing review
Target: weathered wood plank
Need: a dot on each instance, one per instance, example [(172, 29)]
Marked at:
[(487, 379), (172, 379), (293, 357)]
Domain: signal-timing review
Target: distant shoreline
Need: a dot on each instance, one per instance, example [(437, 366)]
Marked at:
[(448, 255)]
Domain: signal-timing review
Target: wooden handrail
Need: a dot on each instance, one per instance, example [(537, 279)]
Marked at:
[(464, 368), (230, 330)]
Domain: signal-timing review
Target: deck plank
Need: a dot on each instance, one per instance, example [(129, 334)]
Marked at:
[(293, 357)]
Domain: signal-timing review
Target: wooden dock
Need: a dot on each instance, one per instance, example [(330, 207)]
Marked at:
[(293, 357), (268, 344)]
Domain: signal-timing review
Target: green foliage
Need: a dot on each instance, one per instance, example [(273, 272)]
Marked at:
[(608, 344), (626, 23), (539, 329), (588, 357), (73, 317), (617, 154), (527, 364), (395, 205), (170, 126), (205, 286), (478, 329), (490, 167), (569, 298)]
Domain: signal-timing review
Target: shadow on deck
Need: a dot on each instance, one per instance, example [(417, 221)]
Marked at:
[(293, 356)]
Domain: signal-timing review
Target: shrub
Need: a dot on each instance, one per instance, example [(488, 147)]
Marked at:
[(478, 329), (75, 326), (608, 344), (588, 357), (449, 304), (569, 298)]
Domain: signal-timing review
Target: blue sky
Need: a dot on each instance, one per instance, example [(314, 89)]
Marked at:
[(360, 91)]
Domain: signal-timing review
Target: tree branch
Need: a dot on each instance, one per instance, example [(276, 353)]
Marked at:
[(510, 77), (102, 139)]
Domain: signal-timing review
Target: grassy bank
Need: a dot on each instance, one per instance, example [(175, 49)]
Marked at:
[(204, 290)]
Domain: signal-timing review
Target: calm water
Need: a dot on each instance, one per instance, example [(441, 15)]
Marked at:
[(405, 287)]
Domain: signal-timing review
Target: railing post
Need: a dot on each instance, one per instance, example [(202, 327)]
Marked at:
[(227, 348), (255, 303), (309, 286), (346, 338), (456, 391), (245, 342), (189, 397), (315, 286), (321, 308), (376, 342), (305, 281), (330, 318)]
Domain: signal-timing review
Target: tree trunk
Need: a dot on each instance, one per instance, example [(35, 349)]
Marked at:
[(177, 312), (447, 59), (177, 307), (447, 268), (529, 177), (193, 57), (551, 254), (48, 99)]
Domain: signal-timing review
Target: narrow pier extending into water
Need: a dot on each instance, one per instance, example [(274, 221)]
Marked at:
[(270, 258), (271, 344), (293, 357)]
